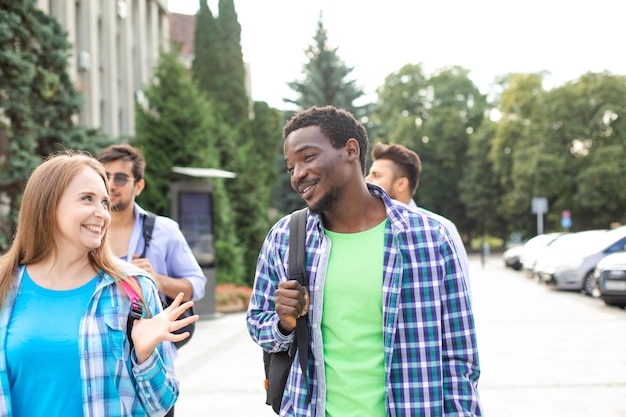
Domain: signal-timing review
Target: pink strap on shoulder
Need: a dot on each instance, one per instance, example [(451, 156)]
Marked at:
[(136, 310), (130, 291)]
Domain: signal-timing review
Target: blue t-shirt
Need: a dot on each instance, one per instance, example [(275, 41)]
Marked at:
[(42, 350)]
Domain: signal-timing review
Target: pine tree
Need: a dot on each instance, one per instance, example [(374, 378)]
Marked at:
[(246, 142), (207, 51), (231, 78), (325, 77), (324, 81)]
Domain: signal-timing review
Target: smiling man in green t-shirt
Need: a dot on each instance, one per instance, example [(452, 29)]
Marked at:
[(389, 314)]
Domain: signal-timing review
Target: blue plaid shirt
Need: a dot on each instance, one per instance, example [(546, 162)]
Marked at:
[(431, 358), (114, 385)]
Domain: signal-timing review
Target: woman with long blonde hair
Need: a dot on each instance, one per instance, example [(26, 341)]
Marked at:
[(64, 348)]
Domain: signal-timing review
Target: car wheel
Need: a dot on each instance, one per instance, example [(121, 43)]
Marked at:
[(591, 286)]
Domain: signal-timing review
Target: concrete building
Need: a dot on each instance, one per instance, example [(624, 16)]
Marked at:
[(182, 35), (116, 46)]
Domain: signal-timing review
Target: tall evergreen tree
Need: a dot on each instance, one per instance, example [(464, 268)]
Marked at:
[(255, 178), (207, 52), (325, 77), (37, 102), (231, 78), (325, 80), (246, 140)]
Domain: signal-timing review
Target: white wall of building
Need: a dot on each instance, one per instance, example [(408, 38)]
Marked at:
[(115, 47)]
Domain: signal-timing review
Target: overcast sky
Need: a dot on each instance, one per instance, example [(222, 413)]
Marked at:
[(487, 37)]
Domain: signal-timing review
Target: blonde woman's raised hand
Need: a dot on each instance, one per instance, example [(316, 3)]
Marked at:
[(147, 334)]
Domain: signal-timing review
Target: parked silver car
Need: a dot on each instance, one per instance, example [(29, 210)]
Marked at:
[(572, 266), (548, 258), (611, 276), (533, 248)]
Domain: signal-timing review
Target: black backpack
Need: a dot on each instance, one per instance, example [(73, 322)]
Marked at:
[(278, 364), (148, 227)]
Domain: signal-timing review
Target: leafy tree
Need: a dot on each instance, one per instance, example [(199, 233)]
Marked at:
[(456, 111), (585, 139), (179, 128), (175, 129), (37, 101), (480, 189), (325, 78), (401, 95), (564, 145), (435, 117), (513, 151)]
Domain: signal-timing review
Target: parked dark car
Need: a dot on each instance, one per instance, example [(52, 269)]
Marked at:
[(611, 275)]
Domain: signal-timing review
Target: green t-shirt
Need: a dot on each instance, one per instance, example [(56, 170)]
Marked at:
[(352, 324)]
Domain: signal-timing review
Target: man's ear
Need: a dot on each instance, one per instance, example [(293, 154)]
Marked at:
[(402, 184), (141, 184), (353, 149)]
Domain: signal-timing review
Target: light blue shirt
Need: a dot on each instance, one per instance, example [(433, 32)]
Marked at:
[(169, 252), (454, 234)]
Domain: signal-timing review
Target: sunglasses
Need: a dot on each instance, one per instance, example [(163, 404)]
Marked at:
[(119, 179)]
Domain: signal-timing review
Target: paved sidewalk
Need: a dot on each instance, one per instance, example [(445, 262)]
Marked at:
[(543, 353), (546, 353), (221, 371)]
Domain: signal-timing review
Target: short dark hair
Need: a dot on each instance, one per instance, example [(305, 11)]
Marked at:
[(407, 161), (338, 125), (126, 153)]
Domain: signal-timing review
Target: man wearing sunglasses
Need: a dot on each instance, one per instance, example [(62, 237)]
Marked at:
[(168, 258)]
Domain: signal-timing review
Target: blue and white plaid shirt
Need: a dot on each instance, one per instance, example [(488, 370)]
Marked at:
[(113, 384), (431, 358)]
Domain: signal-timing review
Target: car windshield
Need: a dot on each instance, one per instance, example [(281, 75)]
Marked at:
[(541, 240), (574, 241), (609, 238)]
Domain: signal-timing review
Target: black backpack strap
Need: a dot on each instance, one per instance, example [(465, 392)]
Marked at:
[(148, 227), (297, 271)]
